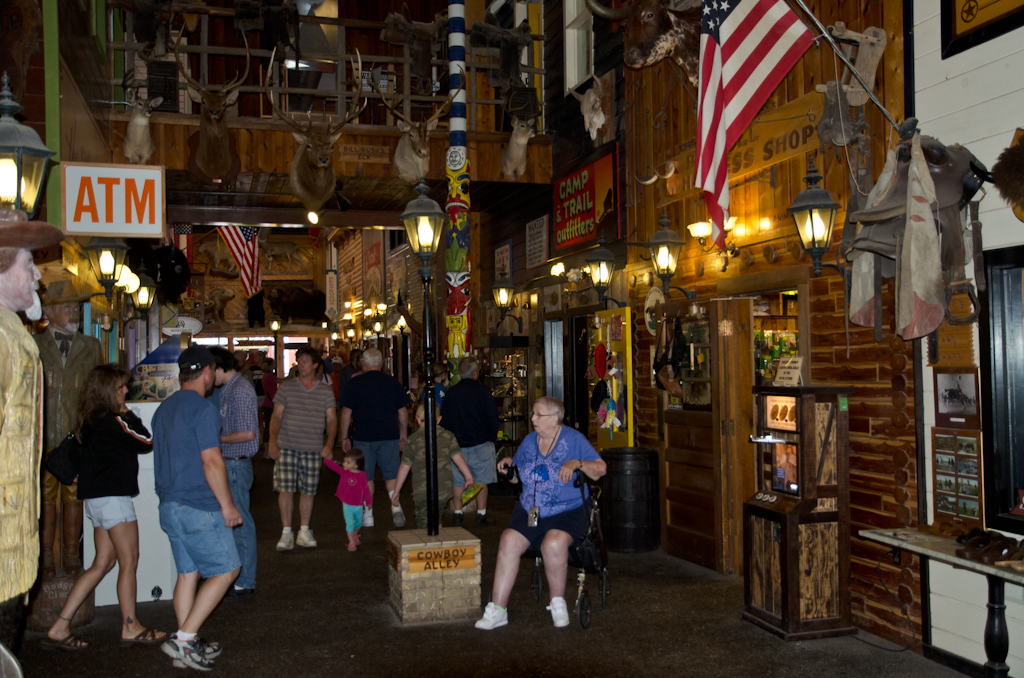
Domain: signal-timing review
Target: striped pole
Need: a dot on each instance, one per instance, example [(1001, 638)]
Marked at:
[(456, 259)]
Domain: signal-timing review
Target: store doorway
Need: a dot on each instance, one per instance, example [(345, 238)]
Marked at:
[(577, 391)]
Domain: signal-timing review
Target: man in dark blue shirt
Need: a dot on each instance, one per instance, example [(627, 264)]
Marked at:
[(469, 412)]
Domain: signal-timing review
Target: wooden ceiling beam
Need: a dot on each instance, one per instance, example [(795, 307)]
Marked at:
[(198, 214)]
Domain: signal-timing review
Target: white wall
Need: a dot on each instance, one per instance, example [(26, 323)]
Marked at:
[(976, 99)]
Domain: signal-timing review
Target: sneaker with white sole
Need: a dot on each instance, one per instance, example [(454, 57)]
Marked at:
[(398, 516), (494, 617), (286, 542), (306, 539), (188, 654), (559, 612), (367, 516)]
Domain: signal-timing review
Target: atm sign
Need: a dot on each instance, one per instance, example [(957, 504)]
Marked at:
[(113, 200)]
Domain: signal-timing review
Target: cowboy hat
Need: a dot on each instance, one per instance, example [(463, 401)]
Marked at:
[(17, 231), (64, 291)]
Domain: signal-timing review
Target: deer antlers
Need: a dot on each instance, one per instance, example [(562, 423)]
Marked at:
[(130, 84), (227, 87), (357, 69), (438, 111)]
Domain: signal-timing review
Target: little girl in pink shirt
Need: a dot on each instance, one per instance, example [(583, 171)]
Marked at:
[(353, 492)]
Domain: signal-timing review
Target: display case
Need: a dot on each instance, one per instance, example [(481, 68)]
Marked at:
[(796, 527), (504, 370)]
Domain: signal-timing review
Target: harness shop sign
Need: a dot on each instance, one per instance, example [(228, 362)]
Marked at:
[(113, 200), (584, 205), (447, 558)]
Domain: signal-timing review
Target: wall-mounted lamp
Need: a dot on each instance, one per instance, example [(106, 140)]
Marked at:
[(701, 230), (601, 263), (325, 322), (664, 247), (143, 294), (106, 256), (23, 159), (814, 213), (503, 292)]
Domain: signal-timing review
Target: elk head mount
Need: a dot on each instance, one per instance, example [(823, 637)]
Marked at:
[(138, 144), (652, 31), (312, 174), (412, 155), (213, 156)]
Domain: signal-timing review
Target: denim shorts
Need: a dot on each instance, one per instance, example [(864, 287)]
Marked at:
[(105, 512), (481, 463), (199, 540), (382, 454)]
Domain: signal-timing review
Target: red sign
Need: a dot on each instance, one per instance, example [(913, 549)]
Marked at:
[(585, 204)]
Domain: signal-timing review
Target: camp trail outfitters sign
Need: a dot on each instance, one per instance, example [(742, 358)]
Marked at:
[(442, 558), (586, 205), (113, 200)]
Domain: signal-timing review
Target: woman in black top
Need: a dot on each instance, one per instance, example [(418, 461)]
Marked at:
[(108, 478)]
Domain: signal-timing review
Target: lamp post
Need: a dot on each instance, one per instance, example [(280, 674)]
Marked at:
[(814, 213), (23, 159), (424, 220)]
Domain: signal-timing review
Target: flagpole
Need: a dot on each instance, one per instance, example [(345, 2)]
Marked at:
[(849, 64)]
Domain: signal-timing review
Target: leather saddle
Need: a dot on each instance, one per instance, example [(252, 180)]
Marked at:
[(958, 176)]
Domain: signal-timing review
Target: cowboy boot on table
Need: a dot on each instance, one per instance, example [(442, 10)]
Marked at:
[(72, 537), (47, 534)]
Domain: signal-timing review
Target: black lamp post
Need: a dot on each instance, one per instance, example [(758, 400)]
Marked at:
[(424, 222), (23, 159), (814, 213)]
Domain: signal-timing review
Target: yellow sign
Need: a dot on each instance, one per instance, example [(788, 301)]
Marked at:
[(380, 155), (972, 14), (442, 558), (774, 136)]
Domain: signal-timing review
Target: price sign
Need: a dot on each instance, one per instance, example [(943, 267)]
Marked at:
[(789, 371)]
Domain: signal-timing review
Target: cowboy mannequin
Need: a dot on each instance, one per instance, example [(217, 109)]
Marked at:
[(21, 383), (68, 356)]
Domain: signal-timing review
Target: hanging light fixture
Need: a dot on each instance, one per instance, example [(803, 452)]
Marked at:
[(814, 213), (106, 256), (23, 158)]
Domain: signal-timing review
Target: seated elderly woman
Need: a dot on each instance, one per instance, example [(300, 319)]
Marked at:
[(549, 515)]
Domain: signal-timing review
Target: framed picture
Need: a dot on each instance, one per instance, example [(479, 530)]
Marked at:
[(968, 23), (956, 397), (956, 461)]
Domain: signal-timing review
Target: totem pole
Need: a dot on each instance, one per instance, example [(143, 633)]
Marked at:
[(456, 258)]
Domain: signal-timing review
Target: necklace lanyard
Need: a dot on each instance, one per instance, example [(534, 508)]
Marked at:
[(551, 448)]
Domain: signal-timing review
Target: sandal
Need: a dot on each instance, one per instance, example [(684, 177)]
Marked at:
[(972, 548), (352, 546), (999, 549), (69, 643), (146, 637)]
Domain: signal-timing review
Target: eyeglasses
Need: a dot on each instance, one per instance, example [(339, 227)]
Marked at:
[(550, 414)]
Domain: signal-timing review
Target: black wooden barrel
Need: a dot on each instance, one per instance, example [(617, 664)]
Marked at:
[(630, 518)]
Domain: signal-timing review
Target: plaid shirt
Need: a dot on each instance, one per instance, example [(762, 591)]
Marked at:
[(238, 413)]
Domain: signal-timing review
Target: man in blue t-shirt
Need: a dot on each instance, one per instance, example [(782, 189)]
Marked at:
[(376, 403), (196, 510)]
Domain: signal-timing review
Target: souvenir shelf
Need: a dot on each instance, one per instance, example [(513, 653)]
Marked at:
[(504, 369)]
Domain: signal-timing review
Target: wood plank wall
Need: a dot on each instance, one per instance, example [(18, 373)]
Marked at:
[(883, 474)]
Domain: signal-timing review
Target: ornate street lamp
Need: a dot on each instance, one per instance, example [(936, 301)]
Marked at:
[(814, 213), (23, 159), (664, 247), (106, 256), (144, 293), (424, 220), (602, 265)]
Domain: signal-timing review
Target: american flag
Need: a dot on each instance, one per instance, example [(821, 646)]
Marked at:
[(746, 48), (183, 240), (245, 248)]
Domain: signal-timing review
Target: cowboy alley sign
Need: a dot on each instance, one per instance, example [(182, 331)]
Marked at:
[(442, 558), (113, 200)]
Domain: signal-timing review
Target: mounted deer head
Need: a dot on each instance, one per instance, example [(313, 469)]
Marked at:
[(214, 154), (513, 159), (590, 107), (312, 173), (138, 142), (412, 155)]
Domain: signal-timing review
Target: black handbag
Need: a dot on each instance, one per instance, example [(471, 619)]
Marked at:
[(64, 460)]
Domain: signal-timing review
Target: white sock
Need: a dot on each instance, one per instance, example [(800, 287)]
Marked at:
[(304, 528), (481, 512), (395, 509), (458, 511), (181, 635), (286, 530)]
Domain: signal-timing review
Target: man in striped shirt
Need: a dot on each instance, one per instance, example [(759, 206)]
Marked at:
[(303, 413), (239, 442)]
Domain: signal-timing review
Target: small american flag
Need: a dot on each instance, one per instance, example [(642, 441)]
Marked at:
[(245, 248), (746, 48), (183, 240)]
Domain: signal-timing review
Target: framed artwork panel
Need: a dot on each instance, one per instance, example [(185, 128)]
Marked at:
[(956, 397)]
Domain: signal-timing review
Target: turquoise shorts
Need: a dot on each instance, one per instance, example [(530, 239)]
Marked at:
[(353, 517)]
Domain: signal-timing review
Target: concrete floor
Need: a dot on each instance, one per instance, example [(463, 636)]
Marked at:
[(324, 612)]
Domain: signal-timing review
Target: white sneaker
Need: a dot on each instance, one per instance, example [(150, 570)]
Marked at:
[(398, 516), (367, 516), (495, 616), (559, 612), (306, 539), (286, 542)]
